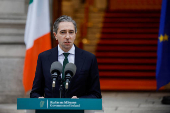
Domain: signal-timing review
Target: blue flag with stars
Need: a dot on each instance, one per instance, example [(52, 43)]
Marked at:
[(163, 51)]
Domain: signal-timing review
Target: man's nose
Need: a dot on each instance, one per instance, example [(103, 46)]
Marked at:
[(67, 35)]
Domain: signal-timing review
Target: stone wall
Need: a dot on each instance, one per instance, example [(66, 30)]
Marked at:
[(12, 49)]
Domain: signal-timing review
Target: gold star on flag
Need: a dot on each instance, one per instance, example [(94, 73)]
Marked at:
[(161, 38), (165, 37)]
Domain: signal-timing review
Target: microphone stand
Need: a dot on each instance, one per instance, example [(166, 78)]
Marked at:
[(66, 89), (61, 86), (53, 86), (61, 89)]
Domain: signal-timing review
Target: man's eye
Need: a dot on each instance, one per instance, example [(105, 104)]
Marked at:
[(71, 32), (62, 32)]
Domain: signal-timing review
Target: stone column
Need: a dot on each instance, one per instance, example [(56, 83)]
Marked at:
[(12, 49)]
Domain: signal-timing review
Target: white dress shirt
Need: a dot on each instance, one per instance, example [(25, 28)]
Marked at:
[(71, 56)]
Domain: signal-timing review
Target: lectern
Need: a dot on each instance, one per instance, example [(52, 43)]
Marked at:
[(58, 105)]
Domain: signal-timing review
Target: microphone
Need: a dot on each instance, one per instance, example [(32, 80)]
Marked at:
[(56, 70), (70, 70)]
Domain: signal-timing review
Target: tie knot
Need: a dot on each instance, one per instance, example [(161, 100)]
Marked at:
[(66, 54)]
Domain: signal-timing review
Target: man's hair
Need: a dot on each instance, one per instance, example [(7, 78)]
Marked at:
[(63, 18)]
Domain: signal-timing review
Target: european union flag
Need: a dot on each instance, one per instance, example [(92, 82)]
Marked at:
[(163, 52)]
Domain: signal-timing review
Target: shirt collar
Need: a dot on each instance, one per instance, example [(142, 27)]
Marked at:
[(71, 51)]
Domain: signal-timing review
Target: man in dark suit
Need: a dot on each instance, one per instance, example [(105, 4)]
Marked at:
[(85, 83)]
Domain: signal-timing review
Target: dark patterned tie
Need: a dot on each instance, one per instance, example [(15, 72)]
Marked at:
[(64, 64)]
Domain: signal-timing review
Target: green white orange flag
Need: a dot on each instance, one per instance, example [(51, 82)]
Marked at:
[(37, 38)]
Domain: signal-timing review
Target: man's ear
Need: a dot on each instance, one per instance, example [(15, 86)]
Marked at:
[(55, 35)]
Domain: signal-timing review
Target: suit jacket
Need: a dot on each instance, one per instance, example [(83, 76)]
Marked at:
[(84, 84)]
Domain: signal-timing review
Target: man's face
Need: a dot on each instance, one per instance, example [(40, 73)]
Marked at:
[(65, 35)]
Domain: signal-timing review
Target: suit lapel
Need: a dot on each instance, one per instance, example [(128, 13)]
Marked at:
[(79, 59), (54, 55)]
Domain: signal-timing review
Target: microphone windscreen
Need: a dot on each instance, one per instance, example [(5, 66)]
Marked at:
[(56, 66), (70, 67)]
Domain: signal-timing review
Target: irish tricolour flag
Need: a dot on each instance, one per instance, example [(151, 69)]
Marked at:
[(37, 38)]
